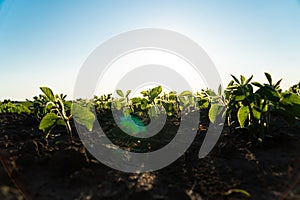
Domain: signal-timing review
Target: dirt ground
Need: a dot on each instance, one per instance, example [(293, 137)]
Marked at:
[(60, 169)]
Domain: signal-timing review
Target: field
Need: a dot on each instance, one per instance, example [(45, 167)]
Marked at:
[(256, 157)]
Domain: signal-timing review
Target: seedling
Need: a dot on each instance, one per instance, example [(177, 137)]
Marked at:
[(59, 112)]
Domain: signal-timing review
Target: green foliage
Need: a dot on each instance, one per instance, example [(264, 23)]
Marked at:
[(250, 104), (295, 89), (54, 110), (103, 103), (255, 108), (243, 115), (215, 111), (217, 104), (83, 115), (13, 107), (38, 107)]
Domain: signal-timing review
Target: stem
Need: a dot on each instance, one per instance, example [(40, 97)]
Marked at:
[(69, 129), (66, 119)]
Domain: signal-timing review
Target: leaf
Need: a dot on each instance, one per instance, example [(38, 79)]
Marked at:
[(243, 79), (243, 115), (268, 93), (244, 192), (83, 115), (291, 103), (117, 105), (144, 93), (239, 97), (48, 122), (257, 84), (220, 90), (236, 80), (214, 111), (278, 83), (126, 111), (186, 93), (127, 93), (60, 122), (269, 78), (183, 100), (248, 80), (48, 92), (120, 93), (232, 87), (155, 92), (153, 111), (290, 98), (256, 113), (67, 105), (231, 83), (203, 103), (144, 105)]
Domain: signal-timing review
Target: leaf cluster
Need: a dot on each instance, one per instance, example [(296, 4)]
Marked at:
[(13, 107)]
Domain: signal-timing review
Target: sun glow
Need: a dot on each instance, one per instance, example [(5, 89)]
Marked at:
[(128, 63)]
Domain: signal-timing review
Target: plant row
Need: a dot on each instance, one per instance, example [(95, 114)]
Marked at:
[(242, 104)]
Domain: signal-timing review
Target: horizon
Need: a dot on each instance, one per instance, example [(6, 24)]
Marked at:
[(45, 43)]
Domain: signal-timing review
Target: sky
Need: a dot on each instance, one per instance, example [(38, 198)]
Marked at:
[(45, 43)]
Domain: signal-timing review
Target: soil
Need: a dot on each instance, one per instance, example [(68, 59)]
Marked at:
[(57, 168)]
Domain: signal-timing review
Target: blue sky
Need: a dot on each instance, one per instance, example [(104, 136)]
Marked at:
[(44, 43)]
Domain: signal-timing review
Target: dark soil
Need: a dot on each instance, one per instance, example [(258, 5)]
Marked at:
[(60, 169)]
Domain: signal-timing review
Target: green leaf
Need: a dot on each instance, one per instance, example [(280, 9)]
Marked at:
[(278, 83), (239, 97), (248, 80), (68, 105), (117, 105), (83, 115), (203, 103), (231, 83), (155, 92), (144, 93), (126, 111), (144, 105), (60, 122), (127, 93), (48, 122), (242, 79), (153, 111), (120, 93), (256, 113), (257, 84), (214, 111), (236, 80), (186, 93), (232, 87), (220, 90), (244, 192), (268, 93), (48, 92), (290, 98), (243, 115), (269, 78), (183, 100)]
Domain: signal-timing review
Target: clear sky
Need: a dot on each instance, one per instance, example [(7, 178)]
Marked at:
[(44, 43)]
